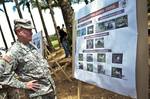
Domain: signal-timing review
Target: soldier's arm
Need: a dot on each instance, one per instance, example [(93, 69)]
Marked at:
[(7, 75)]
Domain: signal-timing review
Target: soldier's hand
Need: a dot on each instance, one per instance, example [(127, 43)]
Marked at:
[(33, 85)]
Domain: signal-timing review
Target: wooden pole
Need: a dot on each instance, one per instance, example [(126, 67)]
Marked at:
[(79, 89), (28, 6), (142, 51), (44, 27), (8, 20), (4, 40), (54, 21)]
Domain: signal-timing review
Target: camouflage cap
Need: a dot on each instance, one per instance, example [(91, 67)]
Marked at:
[(22, 23)]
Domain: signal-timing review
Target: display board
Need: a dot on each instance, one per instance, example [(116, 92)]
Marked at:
[(37, 40), (106, 45)]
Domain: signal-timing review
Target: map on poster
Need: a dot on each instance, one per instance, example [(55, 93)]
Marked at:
[(38, 41), (107, 55)]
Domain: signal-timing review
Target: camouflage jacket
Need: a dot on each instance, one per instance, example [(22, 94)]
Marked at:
[(27, 64)]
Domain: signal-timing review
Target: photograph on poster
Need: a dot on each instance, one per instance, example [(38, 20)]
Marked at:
[(90, 29), (89, 44), (110, 25), (80, 57), (37, 43), (123, 3), (90, 67), (99, 43), (101, 57), (100, 27), (122, 21), (80, 65), (100, 69), (89, 58), (117, 58), (116, 72), (83, 31)]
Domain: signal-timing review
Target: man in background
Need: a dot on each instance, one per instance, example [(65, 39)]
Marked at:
[(64, 42)]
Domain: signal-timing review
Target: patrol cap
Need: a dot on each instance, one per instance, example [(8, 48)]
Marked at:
[(22, 23)]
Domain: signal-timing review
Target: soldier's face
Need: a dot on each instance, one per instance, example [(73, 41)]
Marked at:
[(25, 35)]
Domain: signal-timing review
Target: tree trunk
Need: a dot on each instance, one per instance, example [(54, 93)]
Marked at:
[(44, 26), (4, 40), (18, 9), (52, 15), (86, 2), (1, 1), (28, 6), (9, 22), (67, 13)]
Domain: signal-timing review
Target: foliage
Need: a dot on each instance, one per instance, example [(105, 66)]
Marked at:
[(77, 1), (53, 37), (55, 44), (42, 4), (54, 40), (23, 3), (55, 3), (4, 1)]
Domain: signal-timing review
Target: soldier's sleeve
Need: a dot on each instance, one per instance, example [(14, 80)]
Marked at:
[(8, 64)]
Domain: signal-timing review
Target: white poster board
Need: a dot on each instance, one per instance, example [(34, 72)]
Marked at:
[(105, 46), (37, 40)]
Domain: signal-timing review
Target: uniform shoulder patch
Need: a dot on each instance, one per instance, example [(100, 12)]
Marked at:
[(7, 58)]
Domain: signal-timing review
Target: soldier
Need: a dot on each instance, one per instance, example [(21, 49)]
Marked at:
[(24, 68)]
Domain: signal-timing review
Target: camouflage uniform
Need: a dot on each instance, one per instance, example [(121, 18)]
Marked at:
[(24, 64)]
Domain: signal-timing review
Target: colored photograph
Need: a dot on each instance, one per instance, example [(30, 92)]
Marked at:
[(83, 31), (90, 67), (116, 72), (90, 29), (99, 43), (89, 44), (89, 57), (101, 57), (117, 58)]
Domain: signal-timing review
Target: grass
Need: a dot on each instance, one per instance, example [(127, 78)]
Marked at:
[(55, 44)]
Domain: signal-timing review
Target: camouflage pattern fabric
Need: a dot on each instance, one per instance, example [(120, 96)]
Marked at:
[(15, 93), (3, 94), (48, 96), (22, 63)]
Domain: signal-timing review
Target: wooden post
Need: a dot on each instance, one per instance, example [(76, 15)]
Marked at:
[(60, 68), (79, 89), (142, 51)]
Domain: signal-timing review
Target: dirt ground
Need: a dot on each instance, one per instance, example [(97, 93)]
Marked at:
[(69, 89)]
